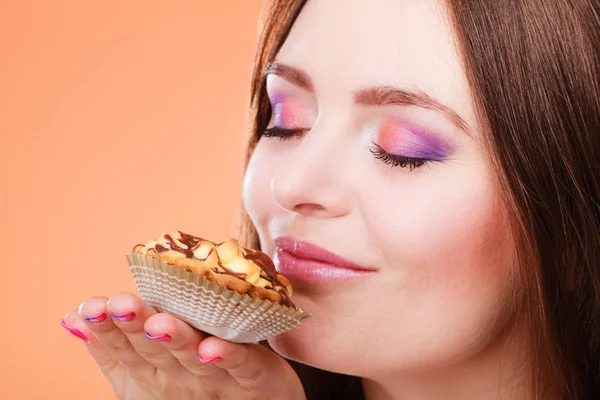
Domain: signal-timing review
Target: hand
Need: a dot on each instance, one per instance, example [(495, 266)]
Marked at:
[(174, 361)]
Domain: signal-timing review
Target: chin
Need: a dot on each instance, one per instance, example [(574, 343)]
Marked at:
[(293, 344), (315, 342), (308, 344), (304, 344)]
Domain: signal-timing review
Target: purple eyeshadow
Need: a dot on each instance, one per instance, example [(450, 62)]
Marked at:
[(410, 141)]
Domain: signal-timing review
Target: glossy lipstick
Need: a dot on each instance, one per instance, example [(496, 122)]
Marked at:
[(307, 262)]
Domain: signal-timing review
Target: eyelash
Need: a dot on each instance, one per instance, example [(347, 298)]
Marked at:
[(397, 160), (281, 133), (378, 152)]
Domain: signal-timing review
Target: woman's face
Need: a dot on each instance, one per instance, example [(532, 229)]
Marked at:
[(384, 167)]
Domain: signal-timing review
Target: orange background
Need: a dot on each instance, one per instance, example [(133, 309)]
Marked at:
[(119, 120)]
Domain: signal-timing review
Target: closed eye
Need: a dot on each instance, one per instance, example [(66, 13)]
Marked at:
[(397, 160), (282, 133), (378, 152)]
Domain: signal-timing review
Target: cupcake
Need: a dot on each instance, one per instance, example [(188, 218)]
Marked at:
[(223, 289)]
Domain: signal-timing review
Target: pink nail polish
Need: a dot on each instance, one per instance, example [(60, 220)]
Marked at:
[(74, 331), (210, 360), (161, 338), (124, 317), (96, 318)]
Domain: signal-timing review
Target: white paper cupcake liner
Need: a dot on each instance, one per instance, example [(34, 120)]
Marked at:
[(207, 306)]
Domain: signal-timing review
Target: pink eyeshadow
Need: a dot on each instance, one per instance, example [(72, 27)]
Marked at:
[(288, 114)]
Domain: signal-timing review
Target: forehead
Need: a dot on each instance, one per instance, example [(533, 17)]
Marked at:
[(348, 44)]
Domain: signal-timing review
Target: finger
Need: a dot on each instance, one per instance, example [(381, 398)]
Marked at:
[(130, 313), (182, 342), (253, 366), (110, 367), (95, 316)]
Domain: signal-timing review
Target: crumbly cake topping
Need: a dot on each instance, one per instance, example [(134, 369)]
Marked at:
[(220, 262)]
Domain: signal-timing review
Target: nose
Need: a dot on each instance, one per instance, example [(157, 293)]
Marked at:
[(311, 183)]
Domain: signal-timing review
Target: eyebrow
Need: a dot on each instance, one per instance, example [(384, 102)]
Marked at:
[(291, 74), (395, 96), (374, 95)]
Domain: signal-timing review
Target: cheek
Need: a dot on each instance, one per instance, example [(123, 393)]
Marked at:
[(449, 267), (452, 241)]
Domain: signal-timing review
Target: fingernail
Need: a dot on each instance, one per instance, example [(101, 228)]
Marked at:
[(210, 360), (124, 317), (161, 338), (96, 318), (74, 331)]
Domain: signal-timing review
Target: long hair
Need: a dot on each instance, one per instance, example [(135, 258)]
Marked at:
[(533, 67)]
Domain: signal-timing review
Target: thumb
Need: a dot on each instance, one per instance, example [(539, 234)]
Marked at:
[(254, 367)]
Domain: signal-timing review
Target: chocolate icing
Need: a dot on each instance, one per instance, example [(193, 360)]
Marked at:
[(266, 264), (188, 252)]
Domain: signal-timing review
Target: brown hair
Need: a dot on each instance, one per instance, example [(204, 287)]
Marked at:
[(534, 71)]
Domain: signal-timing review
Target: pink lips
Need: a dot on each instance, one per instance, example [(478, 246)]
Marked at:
[(307, 262)]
